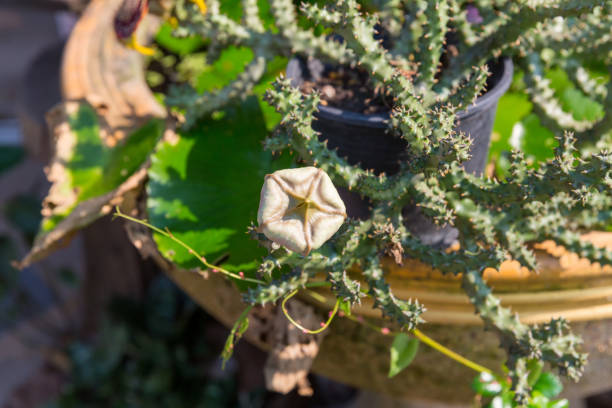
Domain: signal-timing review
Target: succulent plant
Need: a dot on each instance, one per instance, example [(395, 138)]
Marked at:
[(434, 43), (445, 55)]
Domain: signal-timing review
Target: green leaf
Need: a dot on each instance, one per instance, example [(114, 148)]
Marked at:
[(205, 188), (240, 327), (92, 168), (403, 351), (274, 68), (573, 100), (581, 106), (559, 81), (84, 171), (538, 400), (229, 65), (562, 403), (535, 370), (511, 109), (486, 385), (225, 69), (549, 385), (180, 46), (345, 307), (233, 9), (537, 142)]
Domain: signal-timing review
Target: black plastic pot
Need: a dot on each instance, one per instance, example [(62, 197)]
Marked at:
[(363, 140)]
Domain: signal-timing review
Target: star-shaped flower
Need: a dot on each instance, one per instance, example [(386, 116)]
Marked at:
[(300, 209)]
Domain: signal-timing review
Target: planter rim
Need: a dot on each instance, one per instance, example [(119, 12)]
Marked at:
[(379, 120)]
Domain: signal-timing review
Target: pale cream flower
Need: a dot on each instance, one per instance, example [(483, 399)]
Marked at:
[(300, 209)]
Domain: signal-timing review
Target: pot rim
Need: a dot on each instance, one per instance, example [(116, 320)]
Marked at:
[(379, 120)]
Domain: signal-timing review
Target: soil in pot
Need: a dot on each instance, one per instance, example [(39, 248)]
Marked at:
[(352, 117)]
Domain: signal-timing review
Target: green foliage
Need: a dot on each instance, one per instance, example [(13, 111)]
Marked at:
[(92, 168), (151, 353), (549, 385), (518, 127), (417, 35), (204, 187), (487, 385), (179, 46), (403, 351), (345, 307), (225, 69), (239, 328), (495, 392)]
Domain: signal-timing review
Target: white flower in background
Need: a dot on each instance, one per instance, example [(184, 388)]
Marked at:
[(300, 209)]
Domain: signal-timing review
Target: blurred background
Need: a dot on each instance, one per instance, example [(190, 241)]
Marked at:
[(93, 324)]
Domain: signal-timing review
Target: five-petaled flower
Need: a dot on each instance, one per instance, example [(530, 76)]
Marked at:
[(300, 209)]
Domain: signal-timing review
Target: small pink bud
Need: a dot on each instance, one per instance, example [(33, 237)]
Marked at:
[(215, 270), (385, 330), (322, 324), (304, 331), (330, 314), (241, 274), (473, 15), (341, 313)]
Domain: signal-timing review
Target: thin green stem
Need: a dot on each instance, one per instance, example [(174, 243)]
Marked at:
[(316, 296), (200, 258), (299, 326), (449, 353), (244, 314), (241, 325), (317, 284), (416, 333)]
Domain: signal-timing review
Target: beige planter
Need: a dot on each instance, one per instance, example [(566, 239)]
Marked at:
[(99, 70)]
